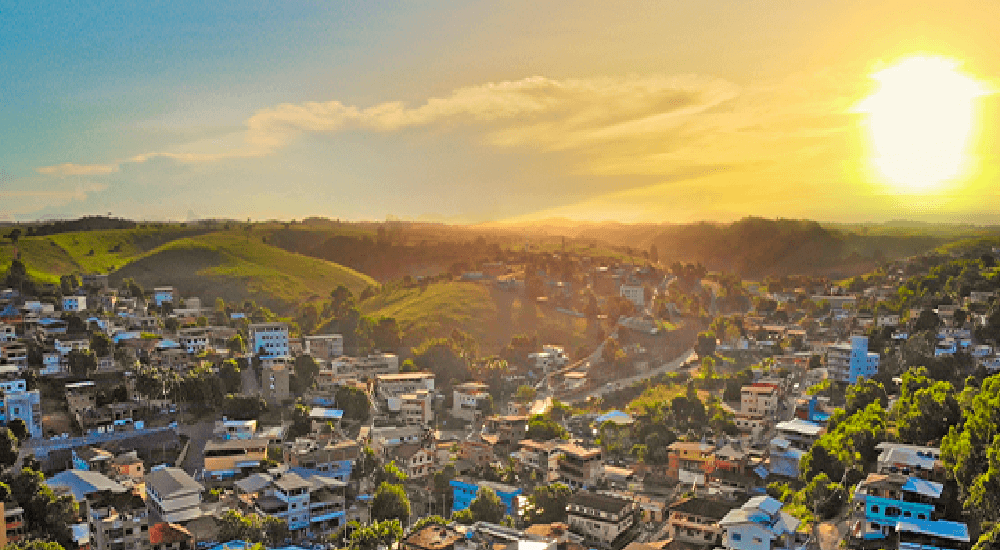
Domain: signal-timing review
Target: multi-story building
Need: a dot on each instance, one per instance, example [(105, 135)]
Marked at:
[(311, 502), (413, 458), (600, 519), (759, 524), (476, 453), (508, 429), (695, 520), (793, 439), (760, 400), (193, 340), (74, 303), (541, 457), (118, 521), (366, 368), (849, 362), (578, 467), (902, 508), (390, 386), (689, 462), (464, 491), (163, 295), (8, 333), (635, 294), (228, 460), (417, 409), (268, 340), (381, 438), (275, 377), (172, 495), (14, 353), (335, 458), (469, 400), (13, 528), (170, 536), (234, 429), (324, 346), (16, 402), (915, 460)]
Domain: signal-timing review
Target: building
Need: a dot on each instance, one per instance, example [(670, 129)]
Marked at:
[(849, 362), (382, 438), (689, 462), (508, 429), (170, 536), (916, 460), (417, 409), (324, 346), (888, 506), (759, 524), (334, 458), (311, 502), (74, 303), (275, 377), (695, 520), (476, 453), (163, 295), (793, 439), (413, 458), (432, 537), (600, 519), (464, 491), (268, 340), (16, 402), (172, 495), (390, 386), (118, 520), (13, 523), (365, 368), (227, 460), (759, 400), (635, 294), (234, 429), (469, 401), (578, 467)]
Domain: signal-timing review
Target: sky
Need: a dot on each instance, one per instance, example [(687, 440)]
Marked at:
[(470, 112)]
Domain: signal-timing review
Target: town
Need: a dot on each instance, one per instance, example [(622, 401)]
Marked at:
[(713, 412)]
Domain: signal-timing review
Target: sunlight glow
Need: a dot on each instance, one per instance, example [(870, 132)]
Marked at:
[(920, 122)]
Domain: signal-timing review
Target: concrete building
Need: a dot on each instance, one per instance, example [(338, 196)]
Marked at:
[(232, 459), (118, 520), (324, 346), (888, 506), (469, 400), (695, 520), (366, 368), (311, 502), (334, 458), (417, 409), (850, 362), (689, 462), (541, 457), (635, 294), (172, 495), (275, 377), (579, 467), (464, 491), (163, 295), (234, 429), (390, 386), (74, 303), (600, 519), (16, 402), (759, 524), (13, 528), (268, 340)]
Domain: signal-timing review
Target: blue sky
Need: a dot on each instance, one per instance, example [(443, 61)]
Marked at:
[(466, 111)]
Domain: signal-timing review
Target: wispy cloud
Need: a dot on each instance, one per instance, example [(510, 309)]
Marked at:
[(70, 169)]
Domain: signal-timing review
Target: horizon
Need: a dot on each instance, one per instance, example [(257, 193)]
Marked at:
[(449, 113)]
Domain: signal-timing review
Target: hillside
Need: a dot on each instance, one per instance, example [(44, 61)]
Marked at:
[(235, 267), (492, 316)]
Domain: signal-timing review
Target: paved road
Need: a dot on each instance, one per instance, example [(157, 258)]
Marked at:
[(199, 434), (249, 379), (669, 366)]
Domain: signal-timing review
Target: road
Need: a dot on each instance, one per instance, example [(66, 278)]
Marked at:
[(669, 366), (198, 433), (249, 379)]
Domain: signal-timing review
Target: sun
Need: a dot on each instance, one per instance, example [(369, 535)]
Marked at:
[(920, 122)]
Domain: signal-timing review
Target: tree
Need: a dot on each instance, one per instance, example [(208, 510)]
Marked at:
[(353, 401), (863, 393), (390, 502), (33, 544), (487, 506), (548, 503), (706, 344), (8, 447), (236, 344), (100, 344), (428, 520), (81, 363), (525, 394), (306, 370), (928, 320), (926, 409), (391, 474), (541, 428), (383, 534)]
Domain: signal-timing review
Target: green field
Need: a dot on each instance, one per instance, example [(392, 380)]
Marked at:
[(437, 310)]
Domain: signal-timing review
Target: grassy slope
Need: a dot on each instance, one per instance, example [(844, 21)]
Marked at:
[(227, 264), (437, 310)]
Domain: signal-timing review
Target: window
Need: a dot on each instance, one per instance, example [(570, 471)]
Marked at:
[(737, 536), (921, 516), (757, 540), (874, 509), (907, 514)]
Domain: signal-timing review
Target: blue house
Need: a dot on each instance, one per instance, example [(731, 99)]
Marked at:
[(888, 504), (464, 491)]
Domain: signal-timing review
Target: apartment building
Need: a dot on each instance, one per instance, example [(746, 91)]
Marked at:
[(172, 495), (274, 379), (335, 458), (343, 369), (390, 386), (417, 409), (849, 362), (228, 460), (311, 502), (413, 458), (74, 303), (268, 340), (600, 519), (234, 429), (689, 462), (695, 520), (895, 506), (118, 521), (758, 524), (16, 402), (508, 429)]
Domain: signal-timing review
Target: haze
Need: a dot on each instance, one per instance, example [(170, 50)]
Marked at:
[(489, 112)]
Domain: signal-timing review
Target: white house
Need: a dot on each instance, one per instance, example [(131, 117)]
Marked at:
[(468, 399), (74, 303), (173, 495), (633, 293), (269, 340), (759, 525)]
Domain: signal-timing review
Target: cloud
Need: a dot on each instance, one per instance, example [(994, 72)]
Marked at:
[(70, 169)]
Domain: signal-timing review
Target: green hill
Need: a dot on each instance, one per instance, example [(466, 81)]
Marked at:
[(230, 265)]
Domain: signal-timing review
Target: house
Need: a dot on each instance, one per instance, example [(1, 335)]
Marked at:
[(464, 491), (476, 453), (916, 460), (275, 377), (343, 369), (170, 536), (602, 520), (74, 303), (172, 495), (13, 529), (432, 537), (414, 459), (888, 505), (634, 293), (234, 429), (849, 362), (268, 340), (83, 484), (16, 402), (334, 458), (163, 295), (759, 400), (323, 417), (381, 438), (793, 439), (695, 520), (469, 400), (388, 386), (311, 502), (578, 467), (759, 523), (128, 465), (688, 462)]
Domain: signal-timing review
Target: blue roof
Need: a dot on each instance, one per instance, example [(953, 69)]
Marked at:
[(322, 412), (615, 416), (167, 344), (47, 321), (944, 529), (923, 487)]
